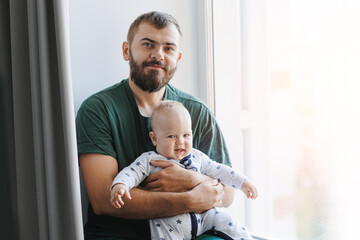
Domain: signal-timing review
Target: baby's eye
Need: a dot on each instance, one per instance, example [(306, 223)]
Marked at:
[(171, 136), (187, 135)]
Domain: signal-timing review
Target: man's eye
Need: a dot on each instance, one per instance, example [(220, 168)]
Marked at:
[(170, 49), (147, 44)]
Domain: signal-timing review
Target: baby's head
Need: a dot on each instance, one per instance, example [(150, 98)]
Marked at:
[(171, 130)]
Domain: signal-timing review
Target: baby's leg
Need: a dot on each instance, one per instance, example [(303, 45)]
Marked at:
[(220, 223), (177, 228)]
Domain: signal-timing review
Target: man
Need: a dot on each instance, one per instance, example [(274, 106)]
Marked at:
[(113, 130)]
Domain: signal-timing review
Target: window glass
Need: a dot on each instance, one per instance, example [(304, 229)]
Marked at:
[(299, 113), (312, 47)]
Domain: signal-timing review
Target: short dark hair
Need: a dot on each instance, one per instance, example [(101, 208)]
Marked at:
[(157, 19)]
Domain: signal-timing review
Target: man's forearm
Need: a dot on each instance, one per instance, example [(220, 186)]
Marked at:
[(176, 179), (146, 204)]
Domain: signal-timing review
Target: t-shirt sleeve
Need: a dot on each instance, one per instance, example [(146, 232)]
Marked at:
[(210, 139), (93, 129)]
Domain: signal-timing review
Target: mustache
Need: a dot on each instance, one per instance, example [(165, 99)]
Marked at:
[(154, 62)]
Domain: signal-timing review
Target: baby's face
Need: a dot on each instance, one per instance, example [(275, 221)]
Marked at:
[(173, 135)]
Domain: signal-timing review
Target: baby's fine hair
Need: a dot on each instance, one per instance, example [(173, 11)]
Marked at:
[(167, 106)]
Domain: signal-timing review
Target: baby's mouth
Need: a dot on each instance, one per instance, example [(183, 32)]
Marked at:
[(179, 150)]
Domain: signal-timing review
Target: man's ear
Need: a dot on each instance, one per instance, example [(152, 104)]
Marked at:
[(180, 55), (126, 51), (153, 138)]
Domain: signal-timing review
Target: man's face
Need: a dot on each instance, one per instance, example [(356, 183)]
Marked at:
[(153, 56)]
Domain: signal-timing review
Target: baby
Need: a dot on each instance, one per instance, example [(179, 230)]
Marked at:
[(172, 136)]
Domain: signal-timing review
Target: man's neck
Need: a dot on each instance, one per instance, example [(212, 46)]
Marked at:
[(146, 101)]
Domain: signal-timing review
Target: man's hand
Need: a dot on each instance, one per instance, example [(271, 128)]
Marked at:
[(206, 195), (172, 178), (117, 192)]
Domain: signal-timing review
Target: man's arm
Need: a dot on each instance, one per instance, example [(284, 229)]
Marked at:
[(168, 180), (99, 171)]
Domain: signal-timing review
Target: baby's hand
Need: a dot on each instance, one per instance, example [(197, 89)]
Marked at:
[(117, 192), (249, 190)]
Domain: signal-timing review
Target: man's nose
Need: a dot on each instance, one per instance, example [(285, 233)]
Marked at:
[(157, 54)]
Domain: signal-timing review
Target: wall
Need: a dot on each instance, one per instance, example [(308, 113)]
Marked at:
[(97, 31)]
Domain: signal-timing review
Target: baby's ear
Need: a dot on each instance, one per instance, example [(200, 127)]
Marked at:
[(153, 138)]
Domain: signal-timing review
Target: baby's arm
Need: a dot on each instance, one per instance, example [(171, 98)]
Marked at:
[(226, 175), (131, 176), (117, 192)]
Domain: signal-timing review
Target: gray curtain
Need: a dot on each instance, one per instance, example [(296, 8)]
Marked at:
[(40, 188)]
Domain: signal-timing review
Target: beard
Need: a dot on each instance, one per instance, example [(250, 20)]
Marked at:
[(150, 81)]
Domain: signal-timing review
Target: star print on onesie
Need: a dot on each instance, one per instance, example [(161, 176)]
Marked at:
[(187, 226)]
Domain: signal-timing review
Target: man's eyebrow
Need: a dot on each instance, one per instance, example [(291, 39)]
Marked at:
[(171, 44), (147, 39), (152, 41)]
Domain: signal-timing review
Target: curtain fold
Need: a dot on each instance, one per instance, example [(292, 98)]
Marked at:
[(46, 179), (8, 216)]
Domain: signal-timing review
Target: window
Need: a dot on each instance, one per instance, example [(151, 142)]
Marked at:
[(286, 97)]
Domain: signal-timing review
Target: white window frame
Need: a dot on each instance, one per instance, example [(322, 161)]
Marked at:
[(240, 84), (205, 55)]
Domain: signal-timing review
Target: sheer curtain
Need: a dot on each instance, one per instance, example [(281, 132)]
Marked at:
[(43, 194)]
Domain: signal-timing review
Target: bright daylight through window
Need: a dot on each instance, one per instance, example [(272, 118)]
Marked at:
[(300, 69)]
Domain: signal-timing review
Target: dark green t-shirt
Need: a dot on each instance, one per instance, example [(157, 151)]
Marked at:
[(109, 123)]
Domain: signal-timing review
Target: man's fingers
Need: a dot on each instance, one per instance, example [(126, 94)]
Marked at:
[(157, 163), (152, 185), (161, 163), (214, 182), (152, 178), (157, 189)]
